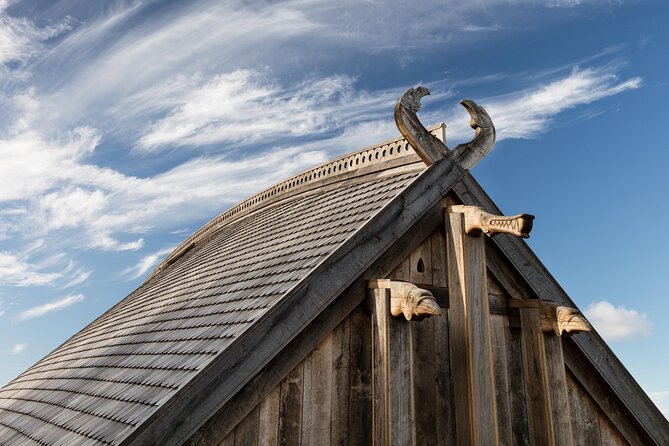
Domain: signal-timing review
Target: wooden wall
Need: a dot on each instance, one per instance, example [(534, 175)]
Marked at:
[(327, 398)]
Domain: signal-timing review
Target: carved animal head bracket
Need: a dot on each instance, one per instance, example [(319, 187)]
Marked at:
[(477, 220), (430, 148), (556, 318), (407, 299)]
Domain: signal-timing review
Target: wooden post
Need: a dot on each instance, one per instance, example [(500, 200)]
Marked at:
[(395, 305), (470, 337), (543, 323)]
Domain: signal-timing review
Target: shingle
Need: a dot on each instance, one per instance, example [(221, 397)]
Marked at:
[(116, 372)]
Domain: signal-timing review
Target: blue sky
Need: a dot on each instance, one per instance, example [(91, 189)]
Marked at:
[(125, 127)]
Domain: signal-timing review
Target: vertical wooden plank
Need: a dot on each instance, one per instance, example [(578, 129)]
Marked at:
[(610, 436), (557, 385), (420, 261), (536, 377), (424, 380), (459, 345), (340, 384), (423, 373), (360, 378), (584, 416), (445, 422), (381, 370), (402, 427), (402, 271), (498, 323), (316, 402), (246, 432), (517, 396), (439, 266), (229, 440), (476, 412), (268, 423), (290, 410)]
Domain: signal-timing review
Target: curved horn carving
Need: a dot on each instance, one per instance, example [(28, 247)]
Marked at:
[(430, 148), (469, 154), (427, 146)]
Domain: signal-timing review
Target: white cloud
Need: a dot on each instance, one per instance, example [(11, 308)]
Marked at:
[(617, 323), (16, 272), (20, 38), (56, 305), (18, 348), (78, 277), (530, 112), (146, 263), (245, 106)]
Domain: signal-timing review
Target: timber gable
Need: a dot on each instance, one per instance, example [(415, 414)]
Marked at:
[(356, 303)]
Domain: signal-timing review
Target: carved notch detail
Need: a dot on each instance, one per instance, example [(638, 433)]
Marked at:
[(477, 220)]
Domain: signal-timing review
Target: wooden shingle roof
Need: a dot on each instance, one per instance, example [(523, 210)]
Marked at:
[(107, 380)]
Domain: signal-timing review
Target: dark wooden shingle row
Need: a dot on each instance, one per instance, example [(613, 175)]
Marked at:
[(110, 377)]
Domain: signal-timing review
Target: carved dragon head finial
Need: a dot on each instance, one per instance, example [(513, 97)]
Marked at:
[(431, 149), (413, 302)]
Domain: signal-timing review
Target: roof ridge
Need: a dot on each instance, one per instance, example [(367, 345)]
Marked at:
[(375, 156)]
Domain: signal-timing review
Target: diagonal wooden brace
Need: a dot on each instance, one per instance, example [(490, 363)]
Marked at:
[(477, 220)]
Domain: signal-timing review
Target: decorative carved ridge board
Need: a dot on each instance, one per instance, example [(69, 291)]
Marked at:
[(392, 153)]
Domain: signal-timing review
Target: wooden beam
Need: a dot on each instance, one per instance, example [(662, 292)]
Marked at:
[(470, 337)]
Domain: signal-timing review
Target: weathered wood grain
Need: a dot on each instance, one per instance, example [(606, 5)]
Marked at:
[(290, 409), (421, 259), (557, 385), (360, 379), (597, 355), (438, 257), (423, 371), (498, 327), (317, 393), (610, 435), (471, 353), (340, 384), (229, 440), (536, 378), (516, 379), (246, 432), (381, 417), (445, 420), (585, 417), (579, 370), (268, 423)]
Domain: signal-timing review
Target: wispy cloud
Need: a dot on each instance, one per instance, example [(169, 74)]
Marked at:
[(78, 277), (50, 307), (20, 38), (245, 106), (18, 348), (145, 263), (14, 271), (617, 323), (530, 112)]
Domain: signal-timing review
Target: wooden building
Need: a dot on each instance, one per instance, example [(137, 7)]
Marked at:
[(362, 302)]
